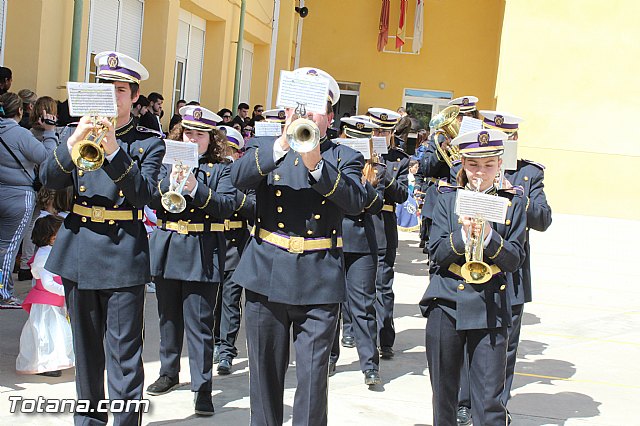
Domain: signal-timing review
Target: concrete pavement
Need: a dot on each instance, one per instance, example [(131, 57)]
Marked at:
[(576, 366)]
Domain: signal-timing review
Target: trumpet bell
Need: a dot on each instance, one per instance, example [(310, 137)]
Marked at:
[(87, 155), (303, 135), (173, 202), (446, 121), (476, 272)]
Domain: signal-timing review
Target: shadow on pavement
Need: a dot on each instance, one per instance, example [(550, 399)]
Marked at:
[(558, 408)]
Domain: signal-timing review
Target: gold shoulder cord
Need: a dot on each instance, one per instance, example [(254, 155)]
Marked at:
[(390, 183), (499, 249), (206, 203), (374, 200), (55, 155), (452, 247), (335, 185), (242, 203), (258, 164), (527, 206), (126, 172), (160, 190)]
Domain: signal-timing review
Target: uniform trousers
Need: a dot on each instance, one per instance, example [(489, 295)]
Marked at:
[(16, 210), (487, 350), (385, 297), (230, 316), (217, 318), (107, 329), (270, 326), (361, 296), (185, 306), (464, 397)]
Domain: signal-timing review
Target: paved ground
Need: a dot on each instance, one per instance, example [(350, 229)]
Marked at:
[(577, 364)]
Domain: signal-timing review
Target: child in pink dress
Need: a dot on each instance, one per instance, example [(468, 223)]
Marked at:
[(46, 345)]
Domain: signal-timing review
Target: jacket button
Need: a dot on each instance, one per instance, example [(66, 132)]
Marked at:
[(309, 232), (210, 164), (278, 193), (334, 232), (84, 219), (502, 287), (80, 172), (233, 240), (324, 202), (84, 203), (527, 228), (509, 204), (258, 220), (115, 206), (280, 225), (279, 209), (112, 222), (507, 222), (526, 178), (461, 287), (316, 216), (82, 188), (206, 216), (276, 177), (208, 174), (140, 150), (395, 168), (121, 194), (192, 211)]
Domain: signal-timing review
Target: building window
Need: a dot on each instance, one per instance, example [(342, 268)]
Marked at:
[(189, 57), (246, 70), (3, 22), (114, 25)]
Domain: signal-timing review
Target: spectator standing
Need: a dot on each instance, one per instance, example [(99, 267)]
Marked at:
[(176, 115), (243, 115), (28, 99), (403, 128), (155, 105), (226, 115), (18, 181), (143, 115), (6, 78)]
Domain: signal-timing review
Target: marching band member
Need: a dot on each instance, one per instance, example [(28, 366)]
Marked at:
[(433, 167), (237, 235), (292, 269), (187, 255), (467, 317), (101, 251), (530, 177), (361, 259), (396, 192)]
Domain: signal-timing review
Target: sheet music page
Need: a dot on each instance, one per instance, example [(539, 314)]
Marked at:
[(469, 124), (294, 89), (489, 207), (510, 156), (380, 145), (359, 144), (185, 153), (264, 128), (97, 99)]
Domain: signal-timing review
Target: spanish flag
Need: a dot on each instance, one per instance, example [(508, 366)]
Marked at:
[(401, 33)]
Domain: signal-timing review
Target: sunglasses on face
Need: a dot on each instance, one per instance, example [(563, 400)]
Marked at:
[(226, 116)]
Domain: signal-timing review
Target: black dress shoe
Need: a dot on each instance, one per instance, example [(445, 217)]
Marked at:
[(164, 384), (54, 373), (216, 354), (425, 250), (464, 416), (224, 367), (372, 378), (348, 341), (422, 243), (204, 404), (24, 275), (386, 352), (332, 368)]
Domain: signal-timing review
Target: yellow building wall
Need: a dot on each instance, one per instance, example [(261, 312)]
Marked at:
[(570, 69), (459, 52)]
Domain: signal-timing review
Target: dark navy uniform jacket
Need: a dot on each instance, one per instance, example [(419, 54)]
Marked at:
[(473, 306), (106, 255), (432, 168), (358, 232), (530, 176), (197, 256), (291, 202), (396, 192), (244, 211)]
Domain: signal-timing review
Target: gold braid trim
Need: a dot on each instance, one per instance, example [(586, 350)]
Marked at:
[(374, 200), (335, 185), (242, 203), (499, 249), (452, 247), (206, 203), (126, 172), (258, 164), (527, 206), (160, 190), (390, 183), (55, 155)]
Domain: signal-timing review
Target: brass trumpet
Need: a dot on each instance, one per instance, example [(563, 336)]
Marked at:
[(303, 135), (446, 126), (88, 154), (475, 270), (173, 201)]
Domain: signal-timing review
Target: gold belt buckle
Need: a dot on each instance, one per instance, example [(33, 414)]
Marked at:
[(227, 225), (97, 214), (296, 245), (183, 227)]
